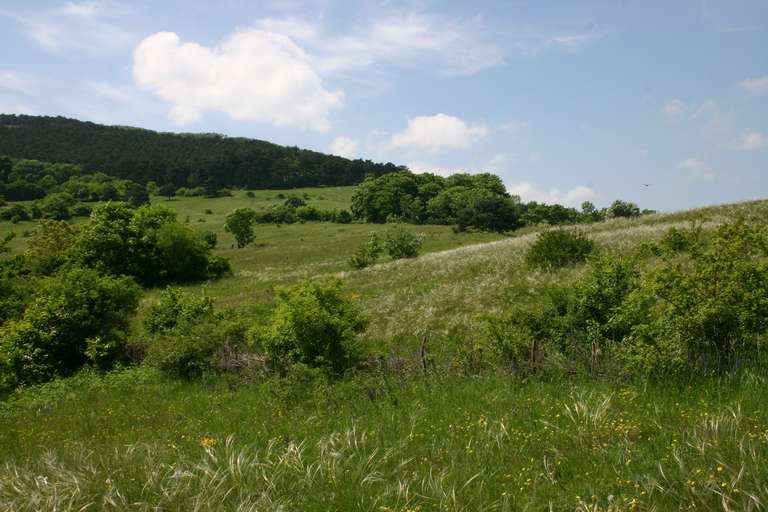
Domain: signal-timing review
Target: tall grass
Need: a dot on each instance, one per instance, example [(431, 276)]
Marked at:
[(453, 443)]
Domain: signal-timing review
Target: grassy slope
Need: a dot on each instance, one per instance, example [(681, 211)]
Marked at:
[(381, 442)]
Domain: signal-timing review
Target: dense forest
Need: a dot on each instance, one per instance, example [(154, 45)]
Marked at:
[(183, 160)]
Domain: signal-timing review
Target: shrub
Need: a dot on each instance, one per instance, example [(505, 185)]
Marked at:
[(343, 217), (314, 324), (308, 213), (712, 302), (146, 243), (50, 246), (182, 255), (187, 337), (294, 202), (622, 209), (677, 240), (174, 307), (250, 194), (240, 223), (367, 253), (15, 211), (209, 238), (5, 241), (78, 317), (193, 348), (402, 243), (559, 248)]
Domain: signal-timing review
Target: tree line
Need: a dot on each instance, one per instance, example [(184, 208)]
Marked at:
[(182, 160), (469, 201)]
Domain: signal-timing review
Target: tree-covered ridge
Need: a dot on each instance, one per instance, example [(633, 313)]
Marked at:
[(184, 160)]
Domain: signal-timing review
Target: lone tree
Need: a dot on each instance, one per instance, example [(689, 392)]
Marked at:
[(167, 190), (240, 223)]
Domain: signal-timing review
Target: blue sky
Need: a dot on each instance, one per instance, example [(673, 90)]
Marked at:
[(567, 101)]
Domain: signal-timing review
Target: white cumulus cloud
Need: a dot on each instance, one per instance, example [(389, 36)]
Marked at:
[(756, 86), (572, 197), (344, 146), (253, 75), (749, 141), (437, 133)]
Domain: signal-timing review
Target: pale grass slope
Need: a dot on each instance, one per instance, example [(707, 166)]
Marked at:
[(453, 291)]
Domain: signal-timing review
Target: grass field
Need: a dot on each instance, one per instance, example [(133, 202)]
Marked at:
[(391, 440)]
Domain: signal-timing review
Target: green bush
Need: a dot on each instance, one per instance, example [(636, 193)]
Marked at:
[(402, 243), (146, 243), (314, 324), (191, 348), (559, 248), (621, 208), (239, 222), (77, 318), (210, 239), (343, 217), (186, 337), (367, 253), (712, 302), (50, 246), (174, 307), (5, 241)]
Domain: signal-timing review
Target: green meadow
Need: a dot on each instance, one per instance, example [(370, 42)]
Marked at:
[(426, 425)]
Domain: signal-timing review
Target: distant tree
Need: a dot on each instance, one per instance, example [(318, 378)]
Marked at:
[(135, 195), (240, 223), (167, 190), (295, 202), (57, 206), (589, 213), (147, 243), (491, 213), (623, 209)]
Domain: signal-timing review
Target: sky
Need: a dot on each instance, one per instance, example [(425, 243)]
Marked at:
[(664, 103)]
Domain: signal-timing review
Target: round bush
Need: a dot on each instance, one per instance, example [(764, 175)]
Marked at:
[(559, 248)]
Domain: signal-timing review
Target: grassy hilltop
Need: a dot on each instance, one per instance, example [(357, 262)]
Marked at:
[(428, 425)]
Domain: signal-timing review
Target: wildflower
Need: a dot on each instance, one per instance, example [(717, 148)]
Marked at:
[(208, 442)]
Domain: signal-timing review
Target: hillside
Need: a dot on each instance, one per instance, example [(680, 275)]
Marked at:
[(432, 423), (180, 159)]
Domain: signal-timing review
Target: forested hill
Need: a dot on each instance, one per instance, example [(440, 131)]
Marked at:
[(181, 159)]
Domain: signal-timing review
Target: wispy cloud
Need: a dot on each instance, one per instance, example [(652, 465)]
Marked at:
[(697, 170), (532, 192), (401, 39), (749, 141), (78, 29), (422, 40), (756, 86), (16, 81), (674, 109)]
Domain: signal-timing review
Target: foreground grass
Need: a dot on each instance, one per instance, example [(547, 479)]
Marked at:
[(377, 442)]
